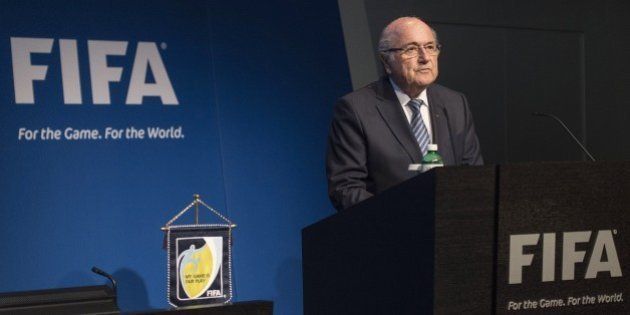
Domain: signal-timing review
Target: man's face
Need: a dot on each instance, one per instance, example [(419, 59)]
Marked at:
[(412, 74)]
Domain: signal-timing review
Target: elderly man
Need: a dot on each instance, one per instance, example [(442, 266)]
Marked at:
[(378, 130)]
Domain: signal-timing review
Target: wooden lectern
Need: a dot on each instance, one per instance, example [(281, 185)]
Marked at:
[(535, 238)]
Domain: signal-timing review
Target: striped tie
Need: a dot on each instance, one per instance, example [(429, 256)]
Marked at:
[(417, 125)]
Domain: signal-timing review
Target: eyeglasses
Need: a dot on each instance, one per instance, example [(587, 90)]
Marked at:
[(413, 50)]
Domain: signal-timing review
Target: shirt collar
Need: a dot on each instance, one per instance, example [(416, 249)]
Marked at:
[(404, 98)]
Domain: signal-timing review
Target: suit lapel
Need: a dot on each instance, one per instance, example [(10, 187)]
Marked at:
[(439, 124), (391, 111)]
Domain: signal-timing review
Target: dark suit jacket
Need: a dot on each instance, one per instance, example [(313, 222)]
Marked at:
[(370, 143)]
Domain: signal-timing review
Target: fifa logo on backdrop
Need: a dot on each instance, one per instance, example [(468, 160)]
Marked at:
[(147, 57), (603, 246)]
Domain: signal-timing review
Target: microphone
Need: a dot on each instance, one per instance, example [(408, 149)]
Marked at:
[(106, 275), (568, 131)]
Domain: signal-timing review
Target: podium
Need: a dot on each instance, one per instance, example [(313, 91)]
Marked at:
[(532, 237)]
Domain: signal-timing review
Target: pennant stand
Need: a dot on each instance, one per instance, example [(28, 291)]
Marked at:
[(199, 259)]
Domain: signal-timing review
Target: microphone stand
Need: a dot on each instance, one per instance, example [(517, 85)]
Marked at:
[(568, 131)]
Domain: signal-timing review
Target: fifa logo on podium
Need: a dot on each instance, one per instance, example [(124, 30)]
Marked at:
[(603, 246)]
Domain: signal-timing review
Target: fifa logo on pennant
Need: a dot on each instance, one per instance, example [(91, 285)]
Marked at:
[(199, 267)]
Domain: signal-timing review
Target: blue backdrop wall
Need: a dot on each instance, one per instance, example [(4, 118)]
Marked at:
[(247, 92)]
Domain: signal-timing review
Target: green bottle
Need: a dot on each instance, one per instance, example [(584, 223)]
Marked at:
[(432, 158)]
